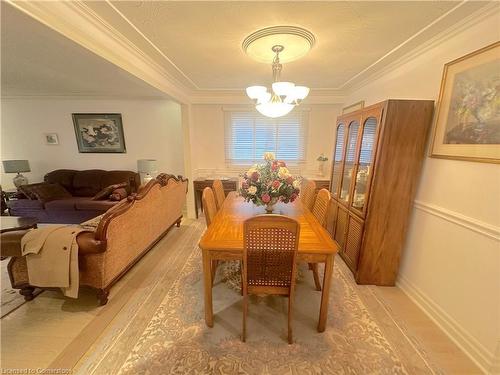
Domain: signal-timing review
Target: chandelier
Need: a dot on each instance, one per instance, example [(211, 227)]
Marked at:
[(283, 96)]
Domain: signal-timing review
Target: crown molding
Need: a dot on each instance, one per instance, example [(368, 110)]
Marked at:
[(79, 23), (76, 96), (239, 97), (367, 77)]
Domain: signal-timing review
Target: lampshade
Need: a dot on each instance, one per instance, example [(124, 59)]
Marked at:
[(274, 110), (254, 92), (16, 166), (283, 88), (147, 166)]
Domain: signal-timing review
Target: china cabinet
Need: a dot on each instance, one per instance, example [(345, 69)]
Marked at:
[(377, 160)]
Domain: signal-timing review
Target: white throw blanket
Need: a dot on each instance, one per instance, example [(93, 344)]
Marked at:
[(52, 257)]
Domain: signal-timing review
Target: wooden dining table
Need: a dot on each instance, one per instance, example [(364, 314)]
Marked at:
[(223, 240)]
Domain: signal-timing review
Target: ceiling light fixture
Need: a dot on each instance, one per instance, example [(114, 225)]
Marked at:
[(284, 96)]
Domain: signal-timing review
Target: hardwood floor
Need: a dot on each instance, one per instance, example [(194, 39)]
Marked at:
[(53, 331)]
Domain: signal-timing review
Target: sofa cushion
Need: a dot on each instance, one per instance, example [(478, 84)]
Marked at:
[(29, 190), (87, 183), (63, 177), (44, 191), (64, 203), (116, 177), (118, 194), (107, 191), (49, 192), (89, 204)]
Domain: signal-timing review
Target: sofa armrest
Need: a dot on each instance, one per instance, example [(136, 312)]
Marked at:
[(87, 244), (10, 243)]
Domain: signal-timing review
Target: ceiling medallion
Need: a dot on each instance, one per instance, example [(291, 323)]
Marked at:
[(284, 96)]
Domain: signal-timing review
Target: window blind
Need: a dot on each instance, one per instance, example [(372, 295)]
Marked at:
[(368, 140), (248, 135)]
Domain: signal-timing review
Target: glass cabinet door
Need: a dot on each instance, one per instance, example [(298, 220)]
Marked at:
[(338, 157), (365, 163), (349, 165)]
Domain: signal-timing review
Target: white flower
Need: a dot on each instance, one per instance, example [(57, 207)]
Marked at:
[(296, 184), (283, 172), (252, 190), (269, 156)]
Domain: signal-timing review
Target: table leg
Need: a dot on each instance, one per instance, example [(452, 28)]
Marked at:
[(196, 202), (323, 312), (207, 285)]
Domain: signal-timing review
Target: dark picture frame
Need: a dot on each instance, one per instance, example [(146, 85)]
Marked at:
[(99, 132)]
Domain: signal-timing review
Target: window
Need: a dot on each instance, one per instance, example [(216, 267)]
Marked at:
[(249, 135)]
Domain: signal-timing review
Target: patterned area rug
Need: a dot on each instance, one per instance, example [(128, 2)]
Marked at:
[(176, 339)]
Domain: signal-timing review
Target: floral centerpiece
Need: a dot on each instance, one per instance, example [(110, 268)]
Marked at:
[(269, 183)]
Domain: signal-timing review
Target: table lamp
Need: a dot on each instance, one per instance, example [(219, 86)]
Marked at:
[(17, 166), (147, 167)]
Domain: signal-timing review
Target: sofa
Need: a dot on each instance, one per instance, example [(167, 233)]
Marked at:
[(74, 202), (118, 240)]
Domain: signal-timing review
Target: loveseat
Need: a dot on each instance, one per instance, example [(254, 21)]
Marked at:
[(121, 237), (74, 201)]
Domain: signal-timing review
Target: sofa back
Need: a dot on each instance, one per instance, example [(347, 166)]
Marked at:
[(89, 182), (134, 225)]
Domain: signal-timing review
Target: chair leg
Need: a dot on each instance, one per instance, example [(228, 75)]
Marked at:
[(245, 310), (290, 318), (314, 268)]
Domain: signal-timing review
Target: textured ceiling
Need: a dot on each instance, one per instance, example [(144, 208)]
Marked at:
[(36, 60), (203, 39)]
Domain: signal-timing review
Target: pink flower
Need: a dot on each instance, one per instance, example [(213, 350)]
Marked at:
[(244, 185), (274, 166), (276, 184), (266, 198), (293, 197), (289, 180), (255, 176), (282, 164)]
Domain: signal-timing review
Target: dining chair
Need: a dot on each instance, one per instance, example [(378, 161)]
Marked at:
[(320, 211), (269, 260), (210, 210), (219, 193), (307, 194)]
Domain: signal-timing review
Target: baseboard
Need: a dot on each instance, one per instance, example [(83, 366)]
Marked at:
[(482, 357)]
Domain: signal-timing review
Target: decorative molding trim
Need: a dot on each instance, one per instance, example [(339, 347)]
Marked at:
[(485, 229), (81, 97), (79, 23), (363, 79), (480, 355)]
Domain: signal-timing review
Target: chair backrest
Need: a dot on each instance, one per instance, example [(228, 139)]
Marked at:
[(270, 250), (209, 205), (307, 194), (219, 193), (320, 208)]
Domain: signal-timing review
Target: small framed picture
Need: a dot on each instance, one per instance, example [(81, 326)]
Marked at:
[(99, 132), (51, 139)]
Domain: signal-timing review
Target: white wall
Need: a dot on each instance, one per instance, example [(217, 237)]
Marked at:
[(451, 261), (207, 138), (152, 130)]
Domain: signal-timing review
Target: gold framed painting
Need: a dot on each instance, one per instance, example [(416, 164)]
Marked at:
[(467, 125)]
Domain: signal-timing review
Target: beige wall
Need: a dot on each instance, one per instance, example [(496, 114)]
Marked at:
[(451, 261), (207, 138), (152, 130)]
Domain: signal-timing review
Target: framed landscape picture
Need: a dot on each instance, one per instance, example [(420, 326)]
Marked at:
[(99, 132), (467, 123)]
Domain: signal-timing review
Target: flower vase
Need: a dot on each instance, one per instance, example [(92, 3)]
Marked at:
[(270, 208), (321, 168)]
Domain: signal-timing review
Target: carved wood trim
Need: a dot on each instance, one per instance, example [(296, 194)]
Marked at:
[(162, 180)]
